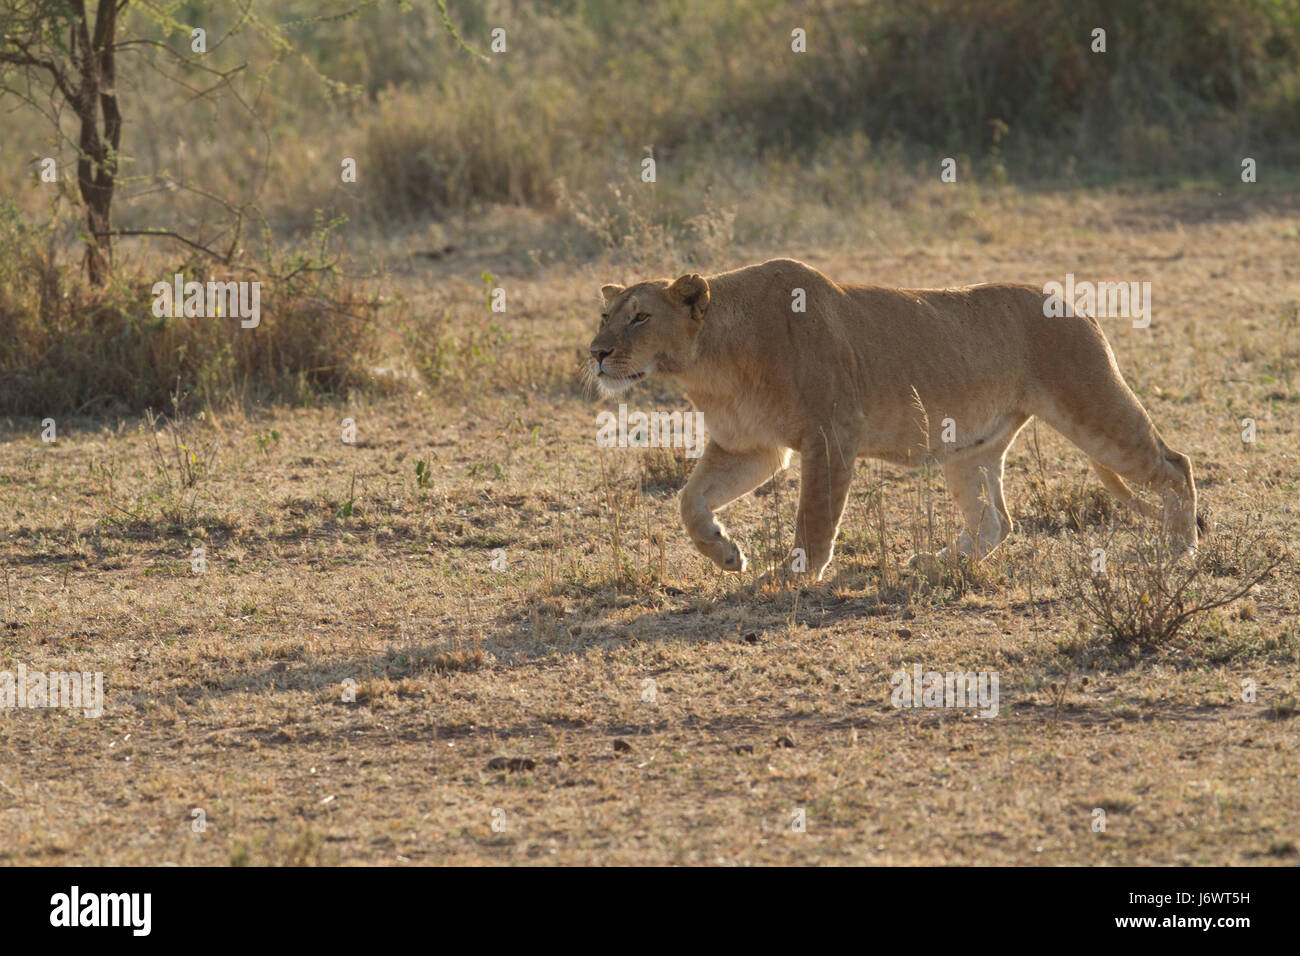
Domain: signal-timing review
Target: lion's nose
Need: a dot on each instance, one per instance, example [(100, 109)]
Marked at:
[(601, 354)]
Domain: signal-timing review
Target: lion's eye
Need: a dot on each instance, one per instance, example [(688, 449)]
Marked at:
[(604, 317), (639, 318)]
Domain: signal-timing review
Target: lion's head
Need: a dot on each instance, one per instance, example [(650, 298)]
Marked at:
[(647, 328)]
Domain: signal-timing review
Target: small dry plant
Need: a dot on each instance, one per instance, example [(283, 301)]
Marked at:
[(1146, 594), (181, 455)]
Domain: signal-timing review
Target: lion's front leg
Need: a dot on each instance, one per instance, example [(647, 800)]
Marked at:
[(719, 478), (826, 470)]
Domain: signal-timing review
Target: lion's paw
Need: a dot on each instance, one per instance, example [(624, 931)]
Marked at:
[(735, 559), (931, 564)]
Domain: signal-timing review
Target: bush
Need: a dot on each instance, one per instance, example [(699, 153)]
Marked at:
[(66, 347), (1149, 594)]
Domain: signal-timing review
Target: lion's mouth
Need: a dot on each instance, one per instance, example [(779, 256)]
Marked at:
[(620, 377), (614, 382)]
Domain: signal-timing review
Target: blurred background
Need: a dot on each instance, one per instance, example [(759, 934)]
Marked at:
[(586, 87)]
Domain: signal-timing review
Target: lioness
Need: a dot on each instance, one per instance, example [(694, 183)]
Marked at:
[(881, 373)]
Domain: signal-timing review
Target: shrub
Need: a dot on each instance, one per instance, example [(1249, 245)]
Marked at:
[(66, 347), (1149, 593)]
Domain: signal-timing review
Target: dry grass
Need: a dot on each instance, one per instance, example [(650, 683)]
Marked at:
[(336, 568)]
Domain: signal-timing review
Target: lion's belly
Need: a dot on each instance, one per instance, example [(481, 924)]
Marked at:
[(739, 429), (903, 441)]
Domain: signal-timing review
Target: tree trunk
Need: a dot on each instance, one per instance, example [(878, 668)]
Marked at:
[(97, 162)]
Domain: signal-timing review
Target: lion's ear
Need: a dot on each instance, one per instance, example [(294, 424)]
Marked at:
[(691, 290), (609, 291)]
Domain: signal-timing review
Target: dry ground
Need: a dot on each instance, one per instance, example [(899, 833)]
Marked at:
[(329, 561)]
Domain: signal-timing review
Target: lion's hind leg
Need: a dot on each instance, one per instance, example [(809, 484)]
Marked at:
[(974, 480), (1121, 491), (1126, 448), (976, 485)]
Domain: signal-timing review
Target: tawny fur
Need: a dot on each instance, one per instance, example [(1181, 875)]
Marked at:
[(874, 372)]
